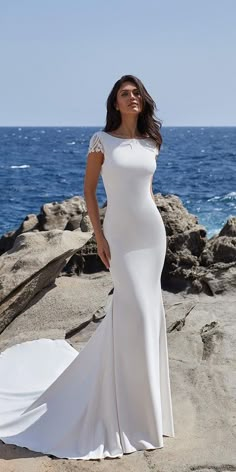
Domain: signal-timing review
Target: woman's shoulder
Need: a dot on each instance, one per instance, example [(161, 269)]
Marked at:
[(96, 142)]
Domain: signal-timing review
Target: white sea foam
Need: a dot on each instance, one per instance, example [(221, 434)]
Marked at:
[(212, 199), (23, 166), (228, 196), (231, 195)]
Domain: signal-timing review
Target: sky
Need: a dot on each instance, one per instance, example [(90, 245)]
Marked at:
[(60, 59)]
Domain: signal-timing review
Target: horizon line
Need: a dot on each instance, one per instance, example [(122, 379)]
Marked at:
[(97, 126)]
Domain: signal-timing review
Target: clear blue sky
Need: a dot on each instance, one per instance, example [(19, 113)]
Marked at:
[(60, 59)]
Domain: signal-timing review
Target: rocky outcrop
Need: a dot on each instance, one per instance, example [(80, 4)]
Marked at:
[(33, 263), (186, 239), (193, 262), (221, 247), (68, 215)]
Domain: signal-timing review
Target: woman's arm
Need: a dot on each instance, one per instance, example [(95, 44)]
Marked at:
[(93, 167)]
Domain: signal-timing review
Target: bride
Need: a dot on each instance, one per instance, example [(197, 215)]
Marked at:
[(113, 397)]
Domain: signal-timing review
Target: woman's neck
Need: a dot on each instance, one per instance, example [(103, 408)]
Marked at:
[(128, 127)]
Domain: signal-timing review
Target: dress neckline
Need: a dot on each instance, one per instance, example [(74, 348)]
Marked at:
[(126, 139)]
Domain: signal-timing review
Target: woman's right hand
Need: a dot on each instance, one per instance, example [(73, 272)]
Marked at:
[(103, 251)]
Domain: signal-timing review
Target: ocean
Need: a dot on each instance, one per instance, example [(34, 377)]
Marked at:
[(45, 164)]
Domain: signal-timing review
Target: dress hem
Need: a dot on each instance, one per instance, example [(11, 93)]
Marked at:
[(119, 455)]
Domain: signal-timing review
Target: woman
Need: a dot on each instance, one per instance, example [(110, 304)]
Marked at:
[(132, 244), (113, 397)]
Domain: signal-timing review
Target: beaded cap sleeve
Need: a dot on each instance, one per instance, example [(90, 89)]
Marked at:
[(95, 144)]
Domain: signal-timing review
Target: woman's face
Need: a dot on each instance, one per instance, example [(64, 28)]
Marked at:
[(128, 99)]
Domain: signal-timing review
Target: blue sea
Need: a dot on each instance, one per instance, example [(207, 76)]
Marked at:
[(46, 164)]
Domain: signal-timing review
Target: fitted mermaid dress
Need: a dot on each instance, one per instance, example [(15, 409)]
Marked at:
[(113, 397)]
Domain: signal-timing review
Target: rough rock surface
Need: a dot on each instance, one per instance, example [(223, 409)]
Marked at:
[(69, 215), (193, 263), (33, 263), (202, 353)]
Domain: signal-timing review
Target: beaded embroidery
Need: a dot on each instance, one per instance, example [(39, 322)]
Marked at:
[(95, 144)]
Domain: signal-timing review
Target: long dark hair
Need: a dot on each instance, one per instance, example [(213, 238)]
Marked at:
[(147, 122)]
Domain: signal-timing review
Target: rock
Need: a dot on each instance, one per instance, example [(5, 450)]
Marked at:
[(69, 215), (191, 259), (176, 217), (220, 277), (7, 241), (221, 247), (219, 260), (186, 239), (86, 259), (202, 352), (65, 215), (229, 229), (33, 263), (70, 304), (30, 223)]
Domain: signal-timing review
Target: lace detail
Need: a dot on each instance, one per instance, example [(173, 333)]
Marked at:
[(95, 144)]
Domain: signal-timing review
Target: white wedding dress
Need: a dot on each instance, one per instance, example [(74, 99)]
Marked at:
[(113, 397)]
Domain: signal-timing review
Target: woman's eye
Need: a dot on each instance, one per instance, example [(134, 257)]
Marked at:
[(126, 93)]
